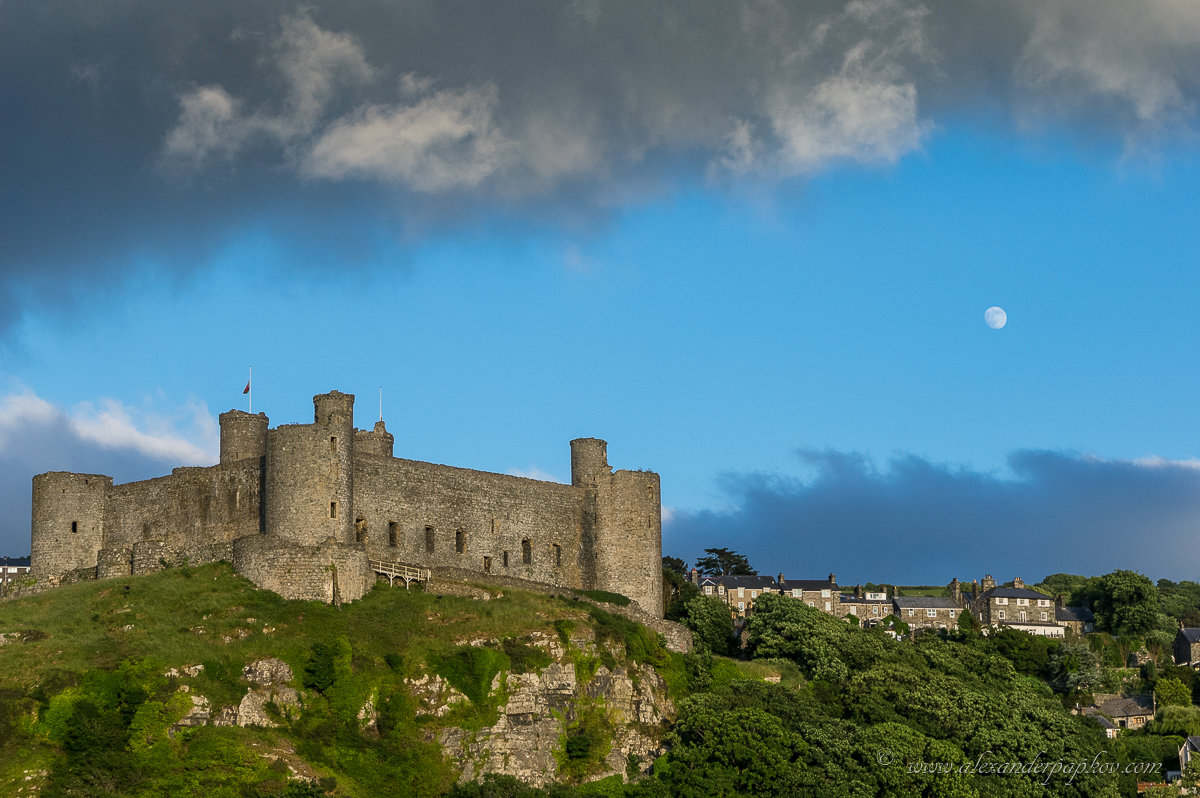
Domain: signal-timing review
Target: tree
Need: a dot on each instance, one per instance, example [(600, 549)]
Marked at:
[(674, 565), (723, 562), (1170, 692), (1074, 667), (710, 621), (1125, 602), (967, 623)]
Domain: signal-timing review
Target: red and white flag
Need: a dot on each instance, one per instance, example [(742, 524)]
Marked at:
[(247, 388)]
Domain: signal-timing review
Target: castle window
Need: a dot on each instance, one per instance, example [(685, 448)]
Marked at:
[(393, 533), (360, 530), (557, 554), (333, 445), (74, 526), (526, 552), (333, 509), (505, 559), (429, 539), (460, 540), (487, 565)]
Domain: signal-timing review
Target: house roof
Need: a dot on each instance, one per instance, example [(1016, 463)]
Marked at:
[(15, 561), (1076, 614), (1015, 592), (748, 582), (850, 598), (1128, 706), (1095, 715), (1190, 635), (1192, 744), (926, 603), (808, 584)]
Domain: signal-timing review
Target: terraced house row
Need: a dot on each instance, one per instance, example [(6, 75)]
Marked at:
[(1011, 605)]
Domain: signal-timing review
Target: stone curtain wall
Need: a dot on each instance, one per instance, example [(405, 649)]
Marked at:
[(330, 573), (496, 513)]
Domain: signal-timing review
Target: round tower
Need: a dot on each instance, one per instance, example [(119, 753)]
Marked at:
[(589, 461), (310, 474), (68, 521), (243, 435), (378, 442)]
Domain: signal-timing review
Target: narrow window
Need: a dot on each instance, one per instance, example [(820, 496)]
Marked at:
[(505, 559), (429, 539), (333, 509), (393, 533), (487, 565), (526, 552), (557, 555), (360, 529), (74, 526), (333, 445), (460, 540)]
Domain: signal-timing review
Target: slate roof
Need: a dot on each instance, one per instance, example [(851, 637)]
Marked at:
[(1128, 706), (1095, 715), (850, 598), (1015, 592), (1076, 614), (15, 561), (807, 584), (748, 582), (926, 603), (1191, 635)]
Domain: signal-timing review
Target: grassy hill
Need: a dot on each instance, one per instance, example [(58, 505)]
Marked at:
[(92, 680)]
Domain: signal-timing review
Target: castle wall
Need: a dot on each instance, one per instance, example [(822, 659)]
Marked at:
[(308, 484), (68, 521), (330, 573), (483, 514)]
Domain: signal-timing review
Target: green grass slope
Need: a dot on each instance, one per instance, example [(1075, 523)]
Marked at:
[(86, 705)]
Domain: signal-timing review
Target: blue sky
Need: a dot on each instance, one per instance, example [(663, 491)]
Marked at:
[(749, 245)]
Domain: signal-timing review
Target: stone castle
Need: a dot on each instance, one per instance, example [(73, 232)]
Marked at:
[(304, 509)]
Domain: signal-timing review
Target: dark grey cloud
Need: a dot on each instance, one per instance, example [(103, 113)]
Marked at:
[(147, 132), (913, 521)]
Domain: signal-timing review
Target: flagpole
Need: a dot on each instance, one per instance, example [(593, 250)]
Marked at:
[(381, 403)]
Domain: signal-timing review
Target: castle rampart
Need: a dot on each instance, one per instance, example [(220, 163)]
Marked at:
[(302, 508)]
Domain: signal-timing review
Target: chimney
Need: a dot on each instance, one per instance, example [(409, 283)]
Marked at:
[(1058, 601), (781, 581), (858, 591), (956, 590), (1018, 582), (988, 582), (832, 579), (694, 574)]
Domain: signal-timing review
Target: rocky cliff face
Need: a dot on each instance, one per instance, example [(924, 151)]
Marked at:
[(620, 711)]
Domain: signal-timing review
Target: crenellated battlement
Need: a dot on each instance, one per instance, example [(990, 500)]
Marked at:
[(301, 509)]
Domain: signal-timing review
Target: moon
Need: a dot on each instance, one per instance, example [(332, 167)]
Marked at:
[(995, 317)]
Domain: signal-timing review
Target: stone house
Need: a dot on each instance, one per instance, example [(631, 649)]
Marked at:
[(739, 592), (1188, 752), (11, 568), (869, 607), (927, 612), (822, 594), (1127, 712), (1080, 620), (1186, 647), (1017, 607)]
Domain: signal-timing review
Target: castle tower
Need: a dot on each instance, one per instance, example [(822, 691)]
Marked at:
[(622, 525), (243, 435), (589, 462), (68, 521), (378, 442), (310, 475)]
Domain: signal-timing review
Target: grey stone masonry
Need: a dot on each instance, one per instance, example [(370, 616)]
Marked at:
[(301, 509)]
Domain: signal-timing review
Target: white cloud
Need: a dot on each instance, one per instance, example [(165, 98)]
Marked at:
[(533, 472), (446, 140), (111, 425)]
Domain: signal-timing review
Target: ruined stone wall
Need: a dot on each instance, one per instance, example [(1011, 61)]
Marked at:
[(330, 573), (436, 515), (68, 521)]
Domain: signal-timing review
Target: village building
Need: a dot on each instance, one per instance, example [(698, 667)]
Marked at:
[(1127, 712), (869, 607), (927, 612), (738, 591), (11, 568), (1018, 607), (1079, 620), (1186, 647), (822, 594)]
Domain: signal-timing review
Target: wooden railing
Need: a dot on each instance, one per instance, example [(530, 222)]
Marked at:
[(399, 570)]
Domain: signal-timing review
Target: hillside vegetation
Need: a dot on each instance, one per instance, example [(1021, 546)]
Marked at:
[(96, 677)]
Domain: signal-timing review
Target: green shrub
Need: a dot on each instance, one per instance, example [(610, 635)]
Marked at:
[(524, 658), (470, 670), (605, 597)]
